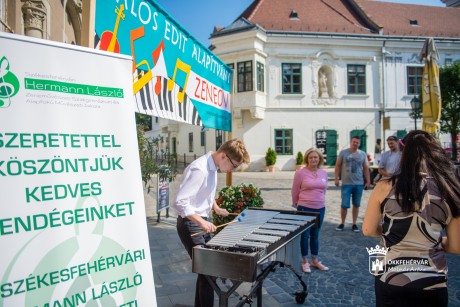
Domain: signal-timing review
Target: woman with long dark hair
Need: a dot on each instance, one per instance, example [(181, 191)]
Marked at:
[(417, 214)]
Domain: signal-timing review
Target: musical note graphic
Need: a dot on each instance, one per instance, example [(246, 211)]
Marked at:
[(85, 244), (9, 83), (155, 55), (186, 69), (144, 76), (109, 40)]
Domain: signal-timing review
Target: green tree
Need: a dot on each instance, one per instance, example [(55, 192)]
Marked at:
[(449, 80), (144, 120), (154, 161)]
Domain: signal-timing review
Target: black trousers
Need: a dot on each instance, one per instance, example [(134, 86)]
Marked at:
[(204, 293), (394, 296)]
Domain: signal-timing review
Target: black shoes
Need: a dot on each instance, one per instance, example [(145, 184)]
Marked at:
[(354, 228)]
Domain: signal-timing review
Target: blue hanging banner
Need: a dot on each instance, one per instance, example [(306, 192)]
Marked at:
[(174, 76)]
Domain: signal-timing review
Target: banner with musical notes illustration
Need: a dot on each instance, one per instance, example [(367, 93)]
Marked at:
[(72, 214), (174, 76)]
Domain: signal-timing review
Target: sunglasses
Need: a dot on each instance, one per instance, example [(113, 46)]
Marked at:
[(233, 164)]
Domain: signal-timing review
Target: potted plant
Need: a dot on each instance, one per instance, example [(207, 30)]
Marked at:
[(299, 161), (235, 199), (270, 159)]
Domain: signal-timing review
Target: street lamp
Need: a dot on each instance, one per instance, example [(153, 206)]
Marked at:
[(416, 106)]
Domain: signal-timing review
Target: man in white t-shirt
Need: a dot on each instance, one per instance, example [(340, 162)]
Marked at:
[(389, 162)]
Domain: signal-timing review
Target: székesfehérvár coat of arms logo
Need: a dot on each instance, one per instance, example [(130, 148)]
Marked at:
[(377, 260)]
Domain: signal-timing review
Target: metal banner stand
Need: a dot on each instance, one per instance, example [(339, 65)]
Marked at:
[(162, 196)]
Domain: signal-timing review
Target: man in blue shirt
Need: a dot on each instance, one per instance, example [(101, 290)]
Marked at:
[(196, 198)]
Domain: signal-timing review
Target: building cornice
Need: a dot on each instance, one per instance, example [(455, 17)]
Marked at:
[(357, 36)]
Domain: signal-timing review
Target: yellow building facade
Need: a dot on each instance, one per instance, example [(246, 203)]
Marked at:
[(56, 20)]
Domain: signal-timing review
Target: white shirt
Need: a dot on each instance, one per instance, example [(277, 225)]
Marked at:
[(390, 161), (198, 189)]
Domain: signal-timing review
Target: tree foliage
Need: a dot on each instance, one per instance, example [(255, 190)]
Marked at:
[(153, 160), (144, 120), (449, 79)]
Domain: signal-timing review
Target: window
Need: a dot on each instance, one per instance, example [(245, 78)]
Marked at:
[(448, 62), (260, 77), (2, 15), (231, 66), (219, 138), (244, 76), (190, 142), (356, 79), (283, 141), (414, 80), (292, 75), (203, 138)]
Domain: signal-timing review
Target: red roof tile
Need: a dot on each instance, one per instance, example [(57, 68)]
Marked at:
[(355, 17), (433, 21)]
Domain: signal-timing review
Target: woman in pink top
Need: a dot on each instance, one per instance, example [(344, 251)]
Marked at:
[(309, 194)]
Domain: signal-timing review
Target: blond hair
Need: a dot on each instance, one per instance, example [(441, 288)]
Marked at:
[(235, 150), (309, 151)]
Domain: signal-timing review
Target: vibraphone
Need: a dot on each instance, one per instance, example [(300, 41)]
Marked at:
[(241, 248)]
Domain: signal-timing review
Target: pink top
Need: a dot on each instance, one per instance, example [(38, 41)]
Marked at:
[(309, 188)]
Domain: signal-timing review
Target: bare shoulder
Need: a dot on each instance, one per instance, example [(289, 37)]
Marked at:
[(383, 187)]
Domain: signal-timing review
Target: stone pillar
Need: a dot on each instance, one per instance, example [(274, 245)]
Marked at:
[(34, 14)]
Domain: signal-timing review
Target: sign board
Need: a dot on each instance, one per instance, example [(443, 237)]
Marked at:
[(321, 138), (386, 123), (72, 221), (174, 76), (162, 194)]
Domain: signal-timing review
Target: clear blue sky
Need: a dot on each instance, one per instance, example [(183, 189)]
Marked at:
[(200, 16)]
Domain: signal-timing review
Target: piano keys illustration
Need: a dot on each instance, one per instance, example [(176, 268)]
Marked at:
[(165, 104)]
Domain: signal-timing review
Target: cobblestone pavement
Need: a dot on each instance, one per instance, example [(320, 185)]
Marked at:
[(347, 283)]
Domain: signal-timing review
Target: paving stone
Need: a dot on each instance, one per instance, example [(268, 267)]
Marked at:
[(283, 297), (274, 290), (347, 283)]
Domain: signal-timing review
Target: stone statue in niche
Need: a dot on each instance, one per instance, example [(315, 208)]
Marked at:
[(322, 85)]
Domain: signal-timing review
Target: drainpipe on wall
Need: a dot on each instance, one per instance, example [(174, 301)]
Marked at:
[(384, 52)]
